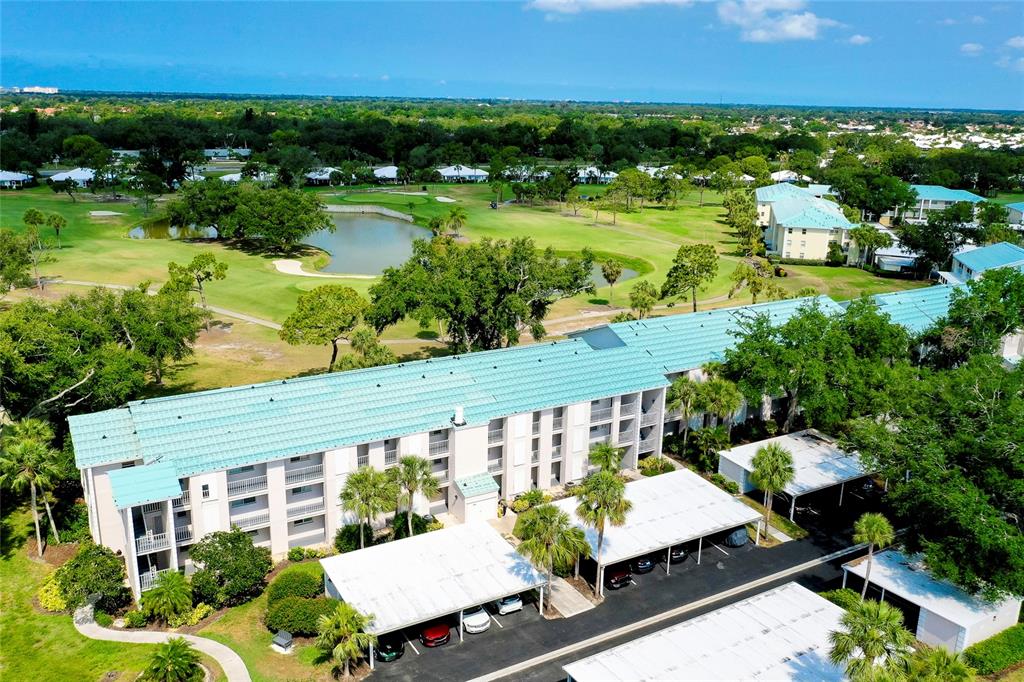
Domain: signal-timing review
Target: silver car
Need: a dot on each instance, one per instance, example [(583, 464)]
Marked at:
[(508, 605)]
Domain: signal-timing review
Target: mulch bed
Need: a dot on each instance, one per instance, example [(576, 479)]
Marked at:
[(55, 555)]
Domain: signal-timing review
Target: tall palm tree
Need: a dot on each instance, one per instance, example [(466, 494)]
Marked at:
[(174, 661), (602, 500), (935, 664), (606, 456), (368, 493), (41, 432), (172, 595), (709, 442), (25, 464), (456, 219), (685, 395), (875, 530), (871, 641), (549, 538), (773, 469), (413, 476), (723, 399), (343, 637)]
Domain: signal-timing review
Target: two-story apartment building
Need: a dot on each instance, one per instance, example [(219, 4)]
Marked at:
[(972, 263), (930, 198)]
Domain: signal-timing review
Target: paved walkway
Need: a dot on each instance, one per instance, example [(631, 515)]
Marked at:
[(230, 662), (566, 599)]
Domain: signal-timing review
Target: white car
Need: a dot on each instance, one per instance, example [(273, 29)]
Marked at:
[(476, 620), (508, 605)]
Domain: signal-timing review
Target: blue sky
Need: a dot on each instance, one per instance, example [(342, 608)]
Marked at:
[(920, 54)]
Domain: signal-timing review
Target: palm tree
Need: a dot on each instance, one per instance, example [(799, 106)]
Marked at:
[(436, 225), (709, 442), (871, 640), (174, 661), (876, 531), (343, 637), (456, 219), (935, 664), (41, 432), (606, 456), (368, 493), (602, 500), (723, 399), (773, 469), (26, 463), (412, 475), (685, 395), (549, 538), (172, 595)]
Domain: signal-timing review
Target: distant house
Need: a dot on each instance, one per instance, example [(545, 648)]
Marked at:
[(1016, 213), (656, 171), (386, 173), (13, 179), (320, 176), (226, 153), (235, 178), (526, 173), (459, 173), (82, 177), (972, 263), (127, 153), (932, 198), (786, 176), (798, 224), (592, 175)]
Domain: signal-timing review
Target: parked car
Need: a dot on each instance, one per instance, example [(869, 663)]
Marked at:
[(476, 620), (641, 565), (617, 576), (507, 605), (678, 554), (389, 647), (435, 634)]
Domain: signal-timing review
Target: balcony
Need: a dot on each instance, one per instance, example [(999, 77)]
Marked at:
[(556, 452), (649, 418), (306, 509), (673, 415), (627, 409), (255, 484), (183, 501), (439, 447), (495, 435), (556, 423), (536, 428), (390, 457), (648, 444), (624, 436), (252, 520), (601, 415), (597, 440), (151, 543), (535, 456), (147, 580), (304, 474), (152, 508), (494, 465), (183, 534), (441, 476)]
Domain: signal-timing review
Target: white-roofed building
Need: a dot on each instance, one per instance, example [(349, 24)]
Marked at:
[(13, 179), (781, 634), (321, 176), (414, 580), (893, 258), (788, 176), (235, 178), (657, 171), (226, 153), (459, 173), (817, 464), (948, 616), (592, 175), (386, 173), (82, 177), (668, 510)]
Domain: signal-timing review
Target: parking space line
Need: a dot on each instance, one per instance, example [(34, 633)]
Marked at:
[(496, 622), (720, 549), (411, 645), (632, 582)]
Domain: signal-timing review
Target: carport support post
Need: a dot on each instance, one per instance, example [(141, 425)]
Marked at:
[(842, 487), (845, 573), (792, 509), (371, 656), (668, 560), (700, 545), (541, 601), (460, 625)]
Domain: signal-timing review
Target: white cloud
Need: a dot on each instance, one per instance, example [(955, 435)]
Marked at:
[(948, 21), (1016, 42), (1013, 64), (971, 49), (577, 6), (385, 77), (976, 19), (858, 39), (769, 21)]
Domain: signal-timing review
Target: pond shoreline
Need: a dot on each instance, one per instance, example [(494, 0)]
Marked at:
[(370, 208)]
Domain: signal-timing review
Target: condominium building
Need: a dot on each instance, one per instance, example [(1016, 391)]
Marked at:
[(798, 224), (930, 198), (271, 458)]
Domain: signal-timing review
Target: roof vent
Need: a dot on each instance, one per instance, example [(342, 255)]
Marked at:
[(459, 418)]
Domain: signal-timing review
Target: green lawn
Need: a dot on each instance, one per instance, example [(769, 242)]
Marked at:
[(1007, 197)]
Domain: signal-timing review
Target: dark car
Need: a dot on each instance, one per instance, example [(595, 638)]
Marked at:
[(641, 565), (389, 648), (435, 634), (616, 577), (678, 554)]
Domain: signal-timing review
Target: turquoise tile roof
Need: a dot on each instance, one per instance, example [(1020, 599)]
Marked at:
[(1016, 206), (992, 256), (225, 428), (143, 484), (781, 190), (916, 309), (940, 193), (818, 190), (682, 342), (477, 484), (809, 212)]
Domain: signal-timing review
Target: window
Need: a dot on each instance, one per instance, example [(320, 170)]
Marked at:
[(789, 231), (803, 231), (300, 458), (242, 470), (127, 465), (235, 504), (803, 244), (302, 522), (181, 515), (302, 489), (206, 490), (801, 254)]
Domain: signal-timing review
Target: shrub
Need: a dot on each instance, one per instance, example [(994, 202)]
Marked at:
[(50, 597), (535, 497), (997, 653), (299, 616), (520, 521), (520, 505), (801, 261), (294, 584), (296, 554), (844, 598), (400, 525), (347, 538), (198, 613), (652, 466), (74, 524), (204, 587), (103, 619), (234, 564), (136, 618), (93, 570), (434, 525), (725, 484)]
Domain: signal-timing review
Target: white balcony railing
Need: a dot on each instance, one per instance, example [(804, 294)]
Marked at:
[(183, 501), (390, 457), (495, 435), (152, 543), (183, 534), (648, 444), (627, 409), (536, 428), (439, 447), (648, 418), (535, 456), (247, 485), (597, 440), (556, 452), (152, 507), (148, 579), (310, 473), (624, 436), (556, 423), (306, 509), (441, 476), (601, 415), (494, 465), (252, 520)]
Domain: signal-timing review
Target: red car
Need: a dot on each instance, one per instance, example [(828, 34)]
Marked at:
[(435, 634)]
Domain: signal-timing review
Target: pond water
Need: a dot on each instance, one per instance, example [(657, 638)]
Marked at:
[(161, 229), (599, 280)]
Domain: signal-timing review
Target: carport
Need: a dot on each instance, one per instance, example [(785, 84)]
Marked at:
[(948, 616), (668, 510), (817, 464), (415, 580), (781, 634)]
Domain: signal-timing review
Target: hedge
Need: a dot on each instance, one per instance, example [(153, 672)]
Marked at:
[(725, 484), (998, 652), (299, 616), (294, 584), (844, 598)]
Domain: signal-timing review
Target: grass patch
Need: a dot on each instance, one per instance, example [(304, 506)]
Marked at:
[(777, 520)]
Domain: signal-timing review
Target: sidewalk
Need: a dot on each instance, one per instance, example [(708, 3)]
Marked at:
[(566, 599)]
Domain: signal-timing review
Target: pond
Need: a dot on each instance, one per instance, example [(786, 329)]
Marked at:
[(161, 229)]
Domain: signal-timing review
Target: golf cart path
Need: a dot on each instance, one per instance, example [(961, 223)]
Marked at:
[(230, 662)]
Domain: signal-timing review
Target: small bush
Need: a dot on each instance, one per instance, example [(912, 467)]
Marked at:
[(94, 570), (725, 484), (801, 261), (104, 619), (535, 497), (998, 652), (50, 597), (204, 587), (294, 584), (520, 505), (652, 466), (299, 616), (400, 525), (74, 524), (296, 554), (434, 525), (136, 618), (520, 520), (844, 598), (347, 538), (198, 613)]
